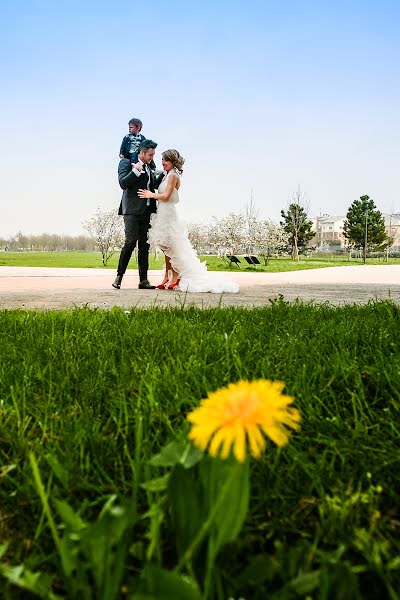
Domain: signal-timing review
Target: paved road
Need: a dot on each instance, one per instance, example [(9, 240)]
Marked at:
[(46, 288)]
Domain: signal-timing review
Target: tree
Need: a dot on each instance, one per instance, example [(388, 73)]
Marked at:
[(334, 243), (229, 233), (270, 238), (106, 228), (297, 224), (364, 227), (198, 236), (20, 241), (252, 223)]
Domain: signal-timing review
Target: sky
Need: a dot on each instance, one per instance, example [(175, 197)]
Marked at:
[(260, 97)]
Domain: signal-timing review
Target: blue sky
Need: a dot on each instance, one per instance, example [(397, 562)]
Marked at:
[(260, 95)]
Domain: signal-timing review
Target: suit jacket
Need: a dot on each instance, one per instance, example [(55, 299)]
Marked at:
[(125, 150), (126, 145), (131, 183)]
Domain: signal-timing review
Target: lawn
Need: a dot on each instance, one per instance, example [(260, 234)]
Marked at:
[(94, 395), (214, 263)]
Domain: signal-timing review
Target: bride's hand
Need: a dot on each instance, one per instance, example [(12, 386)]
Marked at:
[(144, 194)]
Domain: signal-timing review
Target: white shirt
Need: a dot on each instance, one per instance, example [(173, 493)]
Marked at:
[(146, 169)]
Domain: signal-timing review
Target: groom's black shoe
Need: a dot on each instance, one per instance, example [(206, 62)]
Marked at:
[(145, 285), (117, 282)]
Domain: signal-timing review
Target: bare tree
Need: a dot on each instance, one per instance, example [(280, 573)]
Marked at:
[(106, 227), (251, 217), (20, 241)]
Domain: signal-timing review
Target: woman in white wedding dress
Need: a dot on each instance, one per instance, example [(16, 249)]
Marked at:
[(169, 233)]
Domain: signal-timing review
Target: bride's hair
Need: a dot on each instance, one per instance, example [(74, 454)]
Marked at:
[(175, 158)]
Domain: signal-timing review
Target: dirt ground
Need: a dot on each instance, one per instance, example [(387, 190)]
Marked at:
[(52, 288)]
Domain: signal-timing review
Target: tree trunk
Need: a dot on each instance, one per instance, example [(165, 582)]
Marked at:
[(295, 250)]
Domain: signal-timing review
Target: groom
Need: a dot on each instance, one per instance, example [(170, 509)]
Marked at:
[(136, 211)]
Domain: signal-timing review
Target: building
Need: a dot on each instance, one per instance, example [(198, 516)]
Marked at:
[(328, 231), (392, 224)]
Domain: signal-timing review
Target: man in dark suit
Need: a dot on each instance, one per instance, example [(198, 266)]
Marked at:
[(136, 211)]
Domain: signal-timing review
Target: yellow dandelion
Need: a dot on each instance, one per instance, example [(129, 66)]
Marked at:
[(241, 413)]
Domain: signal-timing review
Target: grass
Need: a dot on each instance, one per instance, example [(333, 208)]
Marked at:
[(95, 394), (93, 260)]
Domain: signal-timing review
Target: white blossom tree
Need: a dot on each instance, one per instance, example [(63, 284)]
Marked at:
[(269, 239), (106, 227), (229, 233), (198, 236)]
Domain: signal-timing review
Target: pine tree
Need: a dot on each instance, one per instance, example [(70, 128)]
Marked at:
[(364, 227), (299, 228)]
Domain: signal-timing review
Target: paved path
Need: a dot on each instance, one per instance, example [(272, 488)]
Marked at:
[(44, 288)]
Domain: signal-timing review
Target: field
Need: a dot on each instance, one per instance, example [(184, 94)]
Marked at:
[(93, 395), (214, 263)]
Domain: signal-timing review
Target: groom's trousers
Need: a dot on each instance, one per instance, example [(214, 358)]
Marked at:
[(136, 228)]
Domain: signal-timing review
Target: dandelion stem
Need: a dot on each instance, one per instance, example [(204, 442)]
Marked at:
[(209, 521)]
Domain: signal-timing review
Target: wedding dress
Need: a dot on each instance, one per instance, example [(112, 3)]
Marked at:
[(169, 233)]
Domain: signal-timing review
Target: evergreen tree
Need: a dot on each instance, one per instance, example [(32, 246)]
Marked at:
[(364, 227), (297, 224)]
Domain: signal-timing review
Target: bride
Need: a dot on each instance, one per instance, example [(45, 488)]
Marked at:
[(183, 269)]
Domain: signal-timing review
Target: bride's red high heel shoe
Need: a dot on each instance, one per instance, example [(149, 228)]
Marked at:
[(172, 286), (162, 286)]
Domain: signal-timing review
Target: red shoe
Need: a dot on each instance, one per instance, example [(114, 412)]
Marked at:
[(162, 286), (172, 286)]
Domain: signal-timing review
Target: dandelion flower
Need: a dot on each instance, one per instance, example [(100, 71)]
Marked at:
[(240, 414)]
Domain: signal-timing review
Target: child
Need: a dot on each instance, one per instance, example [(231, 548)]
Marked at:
[(131, 142)]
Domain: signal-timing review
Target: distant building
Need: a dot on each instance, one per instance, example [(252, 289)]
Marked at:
[(392, 224), (328, 231)]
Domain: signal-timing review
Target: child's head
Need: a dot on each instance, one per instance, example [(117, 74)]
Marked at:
[(135, 126)]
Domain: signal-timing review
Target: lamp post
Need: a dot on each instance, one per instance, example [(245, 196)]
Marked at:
[(366, 235), (390, 236)]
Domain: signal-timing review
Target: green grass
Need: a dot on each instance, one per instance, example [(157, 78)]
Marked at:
[(78, 387), (93, 260)]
